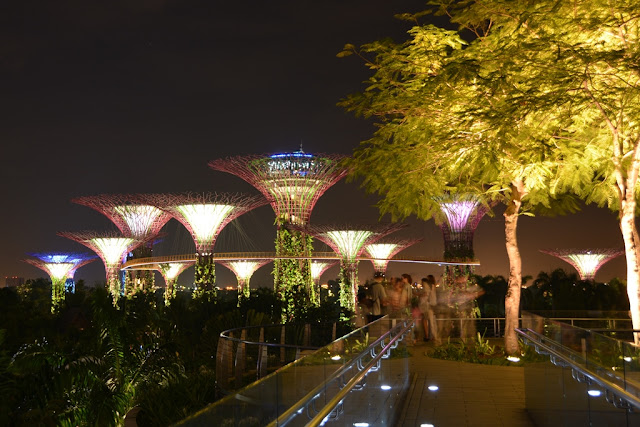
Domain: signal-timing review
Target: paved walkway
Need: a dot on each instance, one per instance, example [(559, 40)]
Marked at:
[(468, 395)]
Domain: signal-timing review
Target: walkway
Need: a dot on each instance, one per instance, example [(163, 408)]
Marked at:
[(469, 394)]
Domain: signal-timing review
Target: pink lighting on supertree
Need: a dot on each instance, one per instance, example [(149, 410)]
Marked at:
[(382, 252), (170, 272), (586, 261), (318, 268), (205, 215), (348, 241), (132, 217), (244, 269), (292, 182), (111, 248)]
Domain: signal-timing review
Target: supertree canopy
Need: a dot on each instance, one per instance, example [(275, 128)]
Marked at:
[(170, 272), (293, 183), (586, 261), (111, 248), (382, 251), (60, 267), (348, 241), (318, 268), (205, 215), (135, 218), (244, 269)]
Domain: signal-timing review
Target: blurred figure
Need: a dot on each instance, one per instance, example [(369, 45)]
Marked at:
[(428, 300), (378, 297), (406, 293)]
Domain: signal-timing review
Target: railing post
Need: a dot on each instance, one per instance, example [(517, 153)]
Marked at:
[(283, 341), (262, 356), (306, 335), (333, 332), (241, 357)]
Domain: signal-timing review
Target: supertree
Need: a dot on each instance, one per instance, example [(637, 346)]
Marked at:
[(318, 268), (382, 251), (111, 248), (205, 215), (462, 213), (170, 272), (133, 218), (586, 261), (348, 241), (244, 269), (293, 183), (60, 267)]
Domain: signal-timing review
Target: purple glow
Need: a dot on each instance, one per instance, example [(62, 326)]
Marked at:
[(458, 213)]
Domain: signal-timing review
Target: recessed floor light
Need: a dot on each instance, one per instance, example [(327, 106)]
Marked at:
[(594, 393), (433, 388)]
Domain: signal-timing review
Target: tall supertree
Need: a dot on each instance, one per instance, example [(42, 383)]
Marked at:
[(170, 272), (348, 241), (382, 251), (586, 261), (60, 267), (462, 213), (244, 269), (205, 215), (293, 183), (133, 218), (111, 248), (318, 267)]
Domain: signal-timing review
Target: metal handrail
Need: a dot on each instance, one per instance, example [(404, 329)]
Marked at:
[(326, 410), (224, 334), (538, 341)]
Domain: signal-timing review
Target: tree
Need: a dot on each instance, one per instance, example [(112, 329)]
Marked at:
[(579, 64), (443, 108)]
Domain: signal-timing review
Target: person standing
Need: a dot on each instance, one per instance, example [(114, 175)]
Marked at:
[(428, 301), (406, 293), (378, 297)]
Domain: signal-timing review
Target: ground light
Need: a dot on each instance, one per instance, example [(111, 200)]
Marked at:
[(385, 387), (627, 359), (427, 425), (433, 388), (336, 357), (514, 359), (594, 393)]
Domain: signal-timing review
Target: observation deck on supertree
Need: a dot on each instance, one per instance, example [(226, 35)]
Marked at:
[(133, 218), (111, 248), (244, 269), (60, 267), (382, 252), (349, 241), (205, 215), (586, 261), (292, 182), (170, 272)]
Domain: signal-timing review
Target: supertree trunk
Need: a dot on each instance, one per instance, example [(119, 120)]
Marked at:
[(170, 291), (205, 277), (57, 293), (292, 277), (113, 283), (348, 286)]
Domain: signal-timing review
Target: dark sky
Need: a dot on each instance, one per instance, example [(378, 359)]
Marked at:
[(138, 95)]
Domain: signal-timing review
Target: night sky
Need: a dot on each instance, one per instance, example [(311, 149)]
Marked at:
[(138, 95)]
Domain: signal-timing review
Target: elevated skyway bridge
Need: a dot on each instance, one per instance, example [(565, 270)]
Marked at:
[(152, 262)]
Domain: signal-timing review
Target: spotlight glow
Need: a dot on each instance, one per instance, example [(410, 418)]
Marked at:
[(385, 387), (426, 425), (336, 357), (594, 393), (361, 424), (514, 359), (627, 359), (433, 388)]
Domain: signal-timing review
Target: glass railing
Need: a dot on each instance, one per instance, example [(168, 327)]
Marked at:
[(593, 377), (299, 392)]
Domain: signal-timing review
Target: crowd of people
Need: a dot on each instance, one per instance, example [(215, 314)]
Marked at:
[(400, 297)]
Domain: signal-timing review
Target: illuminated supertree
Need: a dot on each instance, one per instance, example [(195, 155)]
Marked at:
[(170, 272), (293, 183), (382, 252), (133, 218), (244, 269), (318, 268), (348, 241), (462, 214), (205, 215), (586, 261), (60, 267), (111, 248)]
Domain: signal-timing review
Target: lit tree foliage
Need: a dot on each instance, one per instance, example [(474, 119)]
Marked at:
[(443, 108)]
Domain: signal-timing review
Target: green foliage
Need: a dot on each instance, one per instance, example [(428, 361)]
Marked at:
[(205, 278)]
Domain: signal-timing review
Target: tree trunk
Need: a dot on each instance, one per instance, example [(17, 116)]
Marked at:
[(512, 299), (629, 236)]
